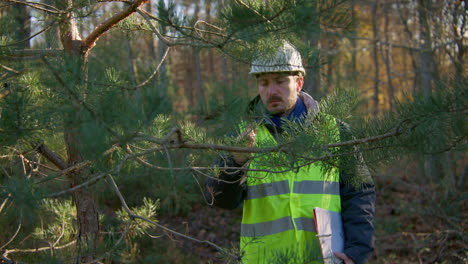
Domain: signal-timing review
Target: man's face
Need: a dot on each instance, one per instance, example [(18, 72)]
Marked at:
[(279, 91)]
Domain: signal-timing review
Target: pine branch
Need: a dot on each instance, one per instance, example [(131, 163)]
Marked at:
[(98, 32), (134, 216)]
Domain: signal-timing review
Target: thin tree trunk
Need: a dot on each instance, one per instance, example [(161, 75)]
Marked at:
[(432, 166), (312, 82), (23, 22), (52, 36), (375, 44), (131, 65), (198, 78), (197, 65), (353, 71), (425, 61), (387, 57)]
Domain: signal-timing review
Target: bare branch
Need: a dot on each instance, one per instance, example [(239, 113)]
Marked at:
[(52, 157), (167, 42), (39, 6), (4, 203), (14, 235), (79, 186), (30, 37), (98, 32), (9, 69), (253, 10), (154, 73), (77, 166), (34, 53), (34, 250)]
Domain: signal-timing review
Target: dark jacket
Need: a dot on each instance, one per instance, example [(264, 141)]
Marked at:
[(357, 200)]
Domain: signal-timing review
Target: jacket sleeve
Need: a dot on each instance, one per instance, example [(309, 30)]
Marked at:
[(226, 191), (357, 193), (357, 211)]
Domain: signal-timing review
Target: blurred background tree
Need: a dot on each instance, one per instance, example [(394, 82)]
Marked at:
[(111, 113)]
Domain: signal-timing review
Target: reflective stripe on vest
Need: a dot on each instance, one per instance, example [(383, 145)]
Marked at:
[(277, 226), (282, 187)]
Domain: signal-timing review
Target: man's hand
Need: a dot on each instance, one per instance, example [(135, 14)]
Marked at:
[(246, 139), (343, 257)]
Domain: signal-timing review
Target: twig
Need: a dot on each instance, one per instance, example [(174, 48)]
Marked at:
[(34, 250), (4, 203), (30, 37), (253, 10), (39, 6), (14, 235), (65, 171), (79, 186), (154, 73), (9, 69)]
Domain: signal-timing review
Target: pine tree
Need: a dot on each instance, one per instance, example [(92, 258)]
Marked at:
[(91, 121)]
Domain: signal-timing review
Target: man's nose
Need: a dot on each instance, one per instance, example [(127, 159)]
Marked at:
[(272, 89)]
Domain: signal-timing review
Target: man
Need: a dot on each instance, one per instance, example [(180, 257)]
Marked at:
[(277, 224)]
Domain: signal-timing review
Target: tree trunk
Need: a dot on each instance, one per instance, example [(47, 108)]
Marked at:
[(353, 46), (312, 82), (387, 57), (23, 22), (87, 214), (417, 75), (197, 65), (425, 60), (432, 166), (375, 44)]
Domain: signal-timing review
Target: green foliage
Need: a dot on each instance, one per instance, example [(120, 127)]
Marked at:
[(23, 197), (58, 218), (148, 210), (425, 125)]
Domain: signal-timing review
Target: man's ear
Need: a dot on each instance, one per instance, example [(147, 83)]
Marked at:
[(299, 83)]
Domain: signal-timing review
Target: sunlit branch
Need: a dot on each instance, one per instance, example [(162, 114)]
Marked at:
[(253, 10), (90, 41), (35, 250)]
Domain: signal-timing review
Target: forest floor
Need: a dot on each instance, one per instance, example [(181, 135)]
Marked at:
[(416, 222)]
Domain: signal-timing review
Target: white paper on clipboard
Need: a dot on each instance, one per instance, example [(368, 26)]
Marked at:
[(330, 233)]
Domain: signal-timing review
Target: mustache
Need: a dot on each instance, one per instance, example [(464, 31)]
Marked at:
[(274, 98)]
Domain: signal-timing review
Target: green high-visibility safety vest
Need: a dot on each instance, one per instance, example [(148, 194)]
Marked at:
[(277, 222)]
